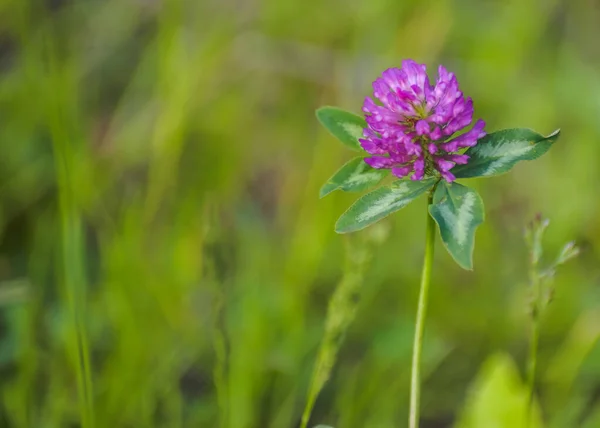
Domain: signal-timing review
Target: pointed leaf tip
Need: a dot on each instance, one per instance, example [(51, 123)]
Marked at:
[(498, 152), (554, 134), (343, 125)]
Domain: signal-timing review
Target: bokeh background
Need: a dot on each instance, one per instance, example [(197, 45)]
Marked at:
[(160, 163)]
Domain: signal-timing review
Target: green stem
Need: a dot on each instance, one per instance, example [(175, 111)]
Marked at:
[(415, 380), (74, 283), (310, 404), (72, 240), (533, 345), (534, 339)]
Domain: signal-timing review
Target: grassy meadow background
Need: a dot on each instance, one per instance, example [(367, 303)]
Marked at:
[(165, 260)]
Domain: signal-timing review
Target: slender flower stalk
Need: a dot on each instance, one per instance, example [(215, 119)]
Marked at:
[(534, 235), (415, 378), (535, 331), (542, 292)]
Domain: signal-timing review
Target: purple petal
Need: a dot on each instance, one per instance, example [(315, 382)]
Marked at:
[(416, 78), (458, 159), (372, 147), (468, 139), (450, 146), (418, 175), (448, 176), (413, 148), (443, 164), (393, 78), (416, 74), (478, 129), (419, 164), (402, 171), (462, 115), (379, 162), (446, 89), (379, 113), (436, 134), (422, 127), (419, 92)]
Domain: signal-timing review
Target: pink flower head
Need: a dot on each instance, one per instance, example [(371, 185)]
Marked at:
[(411, 131)]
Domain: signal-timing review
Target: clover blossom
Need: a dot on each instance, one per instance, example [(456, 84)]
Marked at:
[(412, 131), (422, 131)]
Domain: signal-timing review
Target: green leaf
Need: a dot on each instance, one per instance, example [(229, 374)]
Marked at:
[(380, 203), (343, 125), (499, 398), (457, 210), (354, 176), (498, 152)]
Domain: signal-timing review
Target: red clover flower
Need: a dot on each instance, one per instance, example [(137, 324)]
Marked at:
[(412, 131), (421, 130)]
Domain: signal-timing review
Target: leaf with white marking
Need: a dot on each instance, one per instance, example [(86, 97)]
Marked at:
[(457, 210), (380, 203), (498, 152), (343, 125), (354, 176)]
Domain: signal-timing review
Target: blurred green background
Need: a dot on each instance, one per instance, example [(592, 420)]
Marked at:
[(165, 260)]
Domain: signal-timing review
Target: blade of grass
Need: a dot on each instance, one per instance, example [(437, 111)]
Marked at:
[(72, 274)]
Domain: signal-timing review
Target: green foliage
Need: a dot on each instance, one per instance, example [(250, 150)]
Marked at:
[(498, 152), (354, 176), (457, 210), (345, 126), (341, 309), (380, 203), (540, 282), (565, 373), (541, 273), (196, 160), (499, 398)]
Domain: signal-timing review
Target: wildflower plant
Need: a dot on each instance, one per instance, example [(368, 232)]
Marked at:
[(541, 280), (420, 134)]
